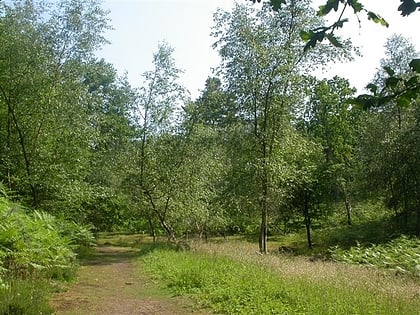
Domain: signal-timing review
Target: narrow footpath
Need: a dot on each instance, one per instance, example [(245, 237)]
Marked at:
[(111, 283)]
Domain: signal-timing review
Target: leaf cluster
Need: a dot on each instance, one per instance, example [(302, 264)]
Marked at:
[(401, 89)]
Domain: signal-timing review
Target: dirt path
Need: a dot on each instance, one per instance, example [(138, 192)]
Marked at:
[(111, 282)]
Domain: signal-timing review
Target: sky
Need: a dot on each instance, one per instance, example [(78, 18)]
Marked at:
[(140, 25)]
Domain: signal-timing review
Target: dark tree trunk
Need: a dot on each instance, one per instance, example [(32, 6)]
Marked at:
[(152, 228), (263, 232), (348, 206)]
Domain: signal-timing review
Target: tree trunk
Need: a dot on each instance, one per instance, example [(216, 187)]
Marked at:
[(307, 219), (263, 231), (264, 216), (348, 206), (28, 168), (152, 228)]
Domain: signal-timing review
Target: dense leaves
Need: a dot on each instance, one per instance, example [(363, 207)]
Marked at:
[(265, 148)]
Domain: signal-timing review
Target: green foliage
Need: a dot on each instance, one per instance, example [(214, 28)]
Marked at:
[(27, 297), (226, 286), (32, 244), (35, 247), (401, 254), (234, 286), (408, 6)]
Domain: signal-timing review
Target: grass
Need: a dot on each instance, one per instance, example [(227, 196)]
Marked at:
[(25, 297), (231, 278)]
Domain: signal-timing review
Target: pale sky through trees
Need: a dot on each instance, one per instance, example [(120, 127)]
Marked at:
[(139, 25)]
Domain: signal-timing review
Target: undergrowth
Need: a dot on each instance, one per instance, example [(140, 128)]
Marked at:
[(230, 286), (401, 254), (36, 249), (222, 284)]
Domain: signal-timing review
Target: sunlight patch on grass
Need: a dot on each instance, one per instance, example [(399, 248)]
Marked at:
[(232, 278)]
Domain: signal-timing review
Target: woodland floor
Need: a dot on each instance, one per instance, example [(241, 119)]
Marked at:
[(111, 282)]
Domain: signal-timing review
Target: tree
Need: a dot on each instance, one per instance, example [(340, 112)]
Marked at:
[(262, 65), (329, 120), (111, 103), (159, 145), (318, 34), (42, 97), (389, 151)]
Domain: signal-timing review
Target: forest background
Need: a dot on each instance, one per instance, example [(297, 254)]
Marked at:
[(267, 148), (265, 140)]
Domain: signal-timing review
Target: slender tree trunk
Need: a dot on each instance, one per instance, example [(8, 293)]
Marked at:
[(35, 199), (307, 219), (161, 216), (152, 228), (348, 206), (9, 118), (264, 211), (348, 210), (263, 229)]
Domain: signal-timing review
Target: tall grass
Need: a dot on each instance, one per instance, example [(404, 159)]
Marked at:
[(231, 278)]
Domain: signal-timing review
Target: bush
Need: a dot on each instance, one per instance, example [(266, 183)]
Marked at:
[(32, 244)]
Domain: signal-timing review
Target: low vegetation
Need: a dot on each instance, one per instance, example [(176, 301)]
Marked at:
[(36, 249), (230, 278), (401, 254)]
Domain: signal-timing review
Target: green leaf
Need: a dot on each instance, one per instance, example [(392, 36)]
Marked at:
[(392, 82), (276, 4), (305, 36), (325, 9), (333, 40), (377, 18), (372, 87), (357, 6), (340, 23), (364, 101), (389, 71), (403, 101), (407, 7), (314, 38), (415, 65), (412, 81)]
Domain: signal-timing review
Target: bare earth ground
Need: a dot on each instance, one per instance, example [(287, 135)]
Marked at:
[(112, 283)]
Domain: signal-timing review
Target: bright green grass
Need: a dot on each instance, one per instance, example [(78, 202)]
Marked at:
[(26, 297), (232, 287)]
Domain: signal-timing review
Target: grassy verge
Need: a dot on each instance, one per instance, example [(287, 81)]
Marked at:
[(246, 283)]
